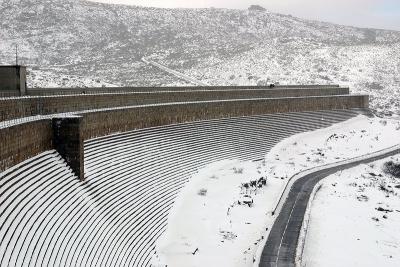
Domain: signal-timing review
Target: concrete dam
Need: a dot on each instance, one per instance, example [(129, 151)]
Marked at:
[(88, 176)]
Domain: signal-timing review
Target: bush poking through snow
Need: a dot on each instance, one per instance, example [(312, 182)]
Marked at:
[(392, 168), (227, 235), (238, 170), (363, 198), (383, 122), (383, 187), (375, 219), (383, 210), (246, 200), (253, 185), (202, 192)]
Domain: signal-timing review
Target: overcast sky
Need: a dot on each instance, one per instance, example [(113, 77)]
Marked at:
[(364, 13)]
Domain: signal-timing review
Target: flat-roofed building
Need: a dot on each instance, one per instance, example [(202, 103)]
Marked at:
[(12, 80)]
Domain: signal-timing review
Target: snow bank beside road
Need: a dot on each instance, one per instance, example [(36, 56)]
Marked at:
[(354, 219), (208, 228)]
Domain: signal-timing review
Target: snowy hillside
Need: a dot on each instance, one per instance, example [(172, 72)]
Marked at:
[(366, 68), (362, 205), (93, 44)]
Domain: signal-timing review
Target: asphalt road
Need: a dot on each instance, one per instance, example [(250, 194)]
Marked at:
[(280, 248)]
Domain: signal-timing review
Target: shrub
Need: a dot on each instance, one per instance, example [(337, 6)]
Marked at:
[(202, 192), (238, 170), (392, 168)]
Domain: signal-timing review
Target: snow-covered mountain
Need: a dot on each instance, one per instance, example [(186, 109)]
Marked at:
[(78, 43)]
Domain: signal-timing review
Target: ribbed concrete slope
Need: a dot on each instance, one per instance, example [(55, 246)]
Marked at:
[(48, 218)]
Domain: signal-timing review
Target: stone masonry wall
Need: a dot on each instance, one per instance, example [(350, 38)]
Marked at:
[(20, 142), (68, 141), (12, 108), (23, 141), (113, 90), (9, 93), (110, 121)]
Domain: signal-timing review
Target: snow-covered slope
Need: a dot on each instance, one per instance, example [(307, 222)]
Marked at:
[(78, 43), (366, 68), (361, 205)]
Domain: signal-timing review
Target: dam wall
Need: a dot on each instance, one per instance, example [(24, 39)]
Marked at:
[(22, 141), (25, 140), (105, 122), (111, 90), (92, 179), (13, 108), (116, 216)]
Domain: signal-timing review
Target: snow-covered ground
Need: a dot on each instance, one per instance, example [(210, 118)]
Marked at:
[(54, 79), (372, 69), (207, 220), (352, 138), (210, 225), (354, 219)]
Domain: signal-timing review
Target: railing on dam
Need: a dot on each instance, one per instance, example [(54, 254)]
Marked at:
[(18, 107), (22, 141)]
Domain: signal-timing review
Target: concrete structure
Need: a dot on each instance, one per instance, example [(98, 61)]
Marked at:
[(114, 218), (108, 121), (113, 214), (114, 90), (22, 141), (13, 108), (16, 147), (68, 141), (12, 80)]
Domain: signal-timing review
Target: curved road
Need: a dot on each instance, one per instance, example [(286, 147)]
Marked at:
[(281, 245)]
